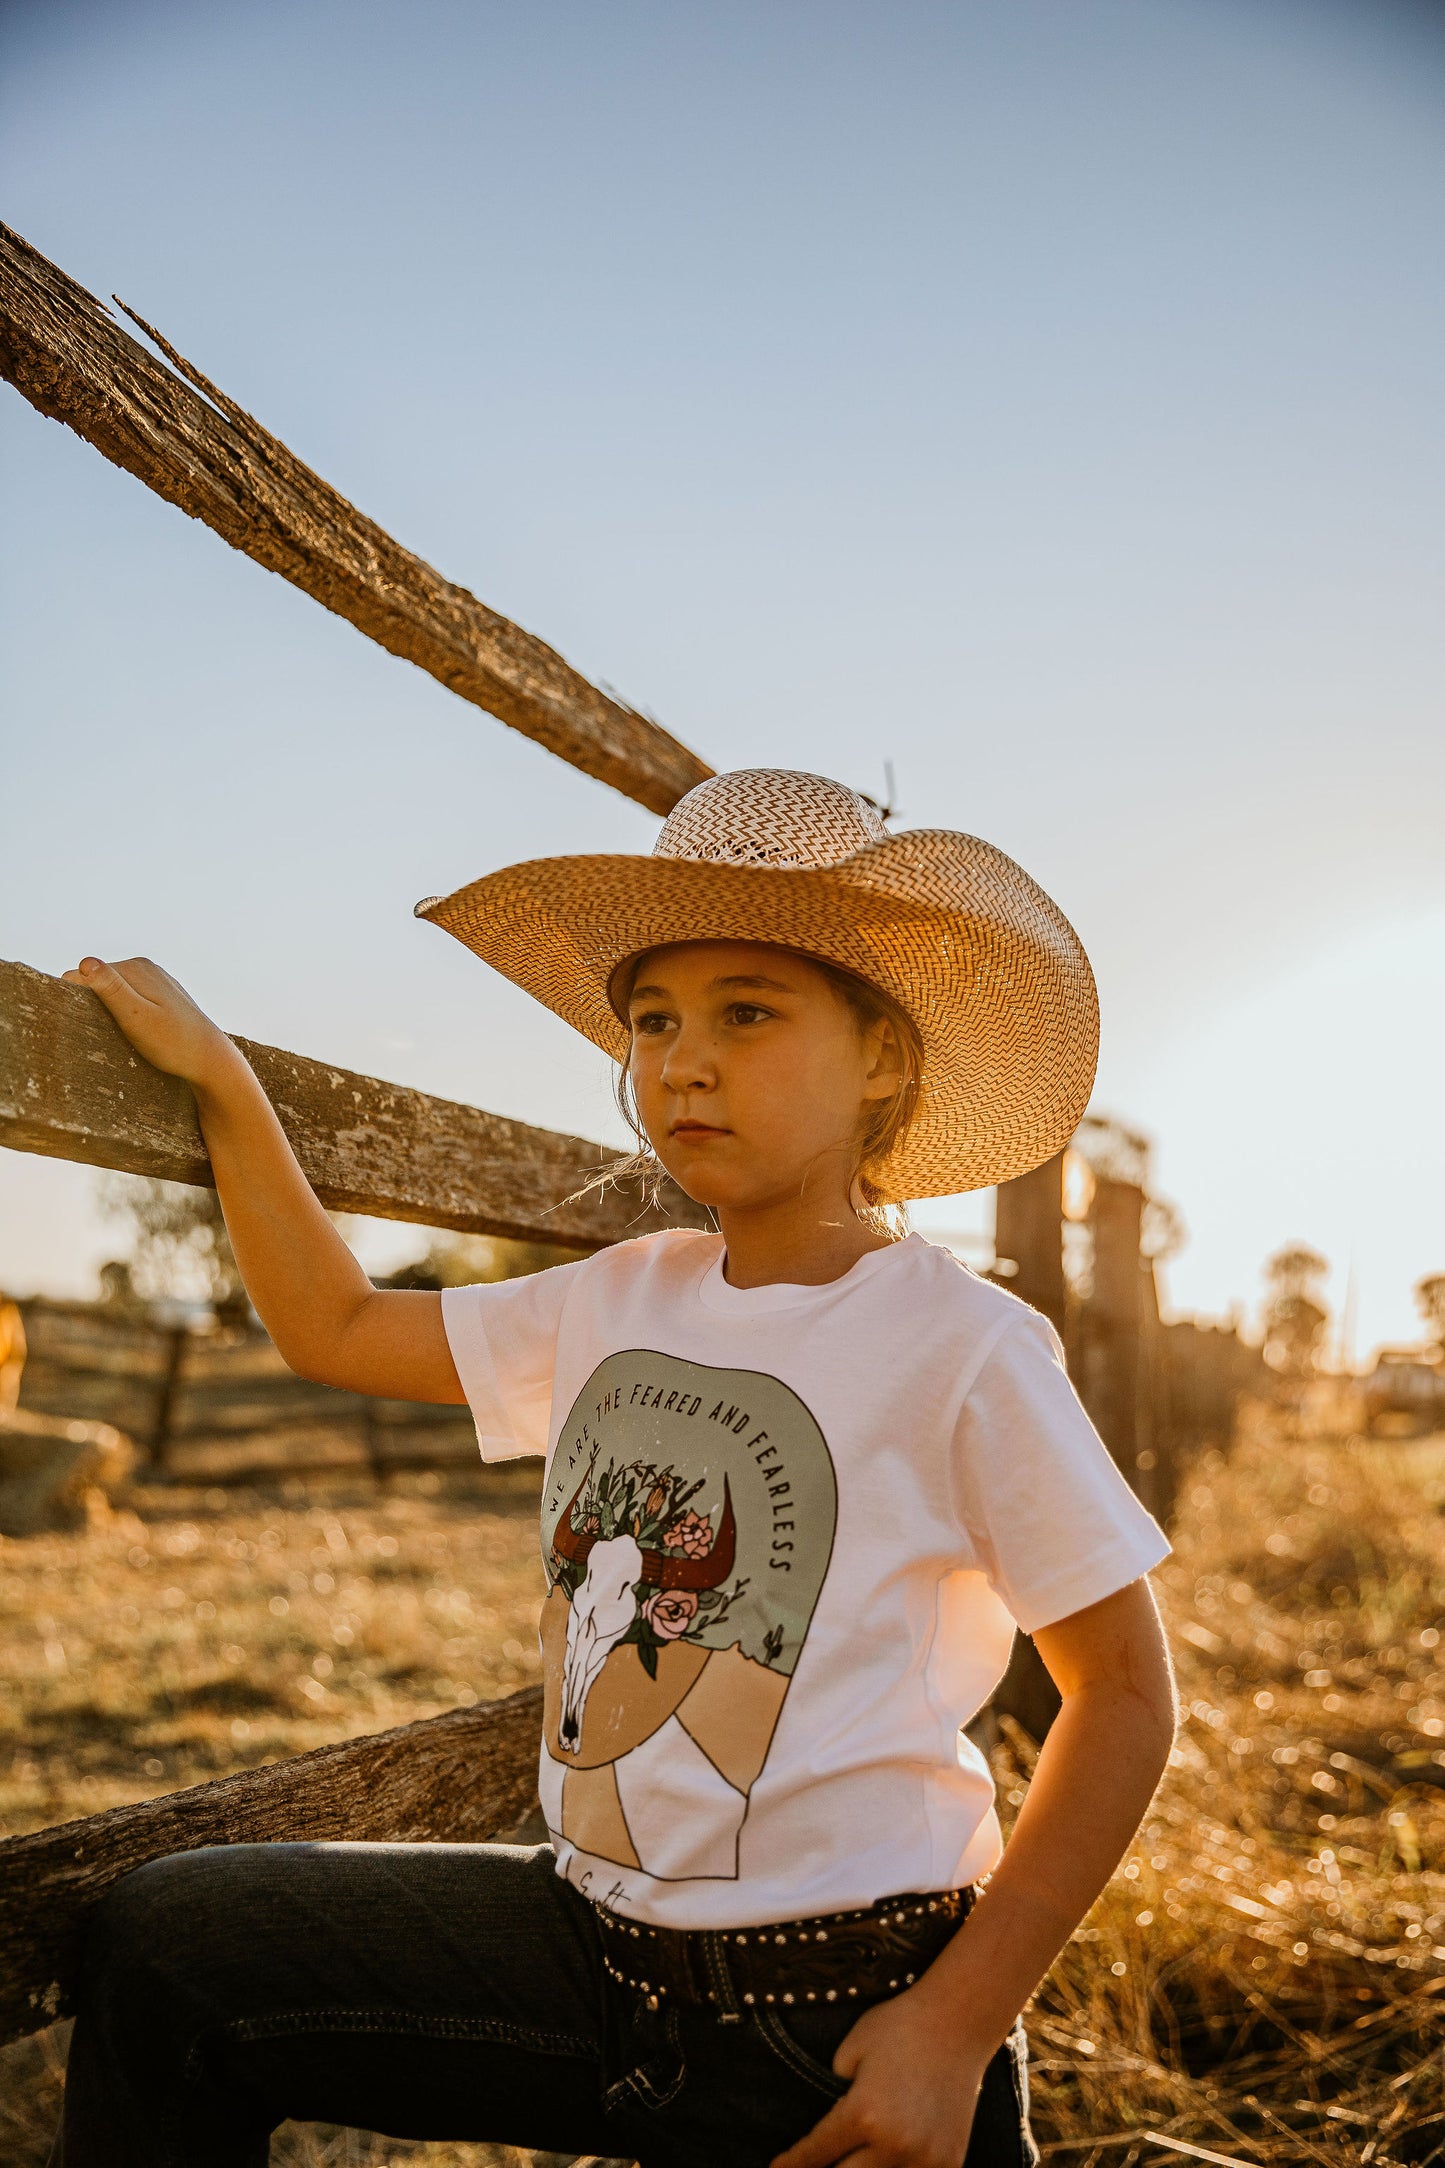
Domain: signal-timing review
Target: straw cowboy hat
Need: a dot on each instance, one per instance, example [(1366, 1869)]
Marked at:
[(986, 964)]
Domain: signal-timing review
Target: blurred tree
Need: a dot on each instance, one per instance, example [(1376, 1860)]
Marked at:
[(1295, 1314), (177, 1248), (1163, 1233), (1430, 1295)]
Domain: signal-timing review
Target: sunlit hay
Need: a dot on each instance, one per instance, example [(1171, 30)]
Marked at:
[(32, 2078), (316, 2145), (1264, 1974)]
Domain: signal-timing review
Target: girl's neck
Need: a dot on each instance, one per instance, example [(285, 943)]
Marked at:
[(805, 1242)]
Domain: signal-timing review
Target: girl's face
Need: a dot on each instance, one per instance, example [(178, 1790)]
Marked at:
[(751, 1072)]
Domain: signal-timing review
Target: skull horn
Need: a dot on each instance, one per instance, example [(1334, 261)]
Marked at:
[(567, 1541), (667, 1570)]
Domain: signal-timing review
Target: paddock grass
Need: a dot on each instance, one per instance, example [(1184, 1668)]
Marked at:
[(1265, 1977)]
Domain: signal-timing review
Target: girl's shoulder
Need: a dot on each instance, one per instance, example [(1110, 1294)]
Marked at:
[(967, 1292), (672, 1250)]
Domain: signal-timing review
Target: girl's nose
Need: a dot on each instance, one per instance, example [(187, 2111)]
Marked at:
[(689, 1066)]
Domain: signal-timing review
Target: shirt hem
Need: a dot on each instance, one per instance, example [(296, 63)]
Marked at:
[(472, 1354), (1075, 1591)]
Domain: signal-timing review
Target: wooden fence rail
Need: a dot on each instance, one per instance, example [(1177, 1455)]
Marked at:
[(175, 431), (71, 1087)]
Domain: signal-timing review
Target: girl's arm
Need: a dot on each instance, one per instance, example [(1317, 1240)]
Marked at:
[(319, 1307), (916, 2062)]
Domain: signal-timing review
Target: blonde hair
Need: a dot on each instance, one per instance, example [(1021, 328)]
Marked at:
[(885, 1121)]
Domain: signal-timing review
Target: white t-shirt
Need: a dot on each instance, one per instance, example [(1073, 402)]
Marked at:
[(788, 1531)]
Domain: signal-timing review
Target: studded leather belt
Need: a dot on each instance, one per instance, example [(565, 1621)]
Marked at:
[(840, 1956)]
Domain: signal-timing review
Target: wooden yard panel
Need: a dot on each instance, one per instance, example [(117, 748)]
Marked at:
[(424, 1445), (77, 1336), (465, 1778), (80, 1367), (72, 1088), (249, 1456), (232, 1408), (226, 1385), (65, 353)]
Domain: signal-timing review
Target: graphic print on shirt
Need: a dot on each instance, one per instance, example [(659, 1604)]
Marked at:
[(687, 1523)]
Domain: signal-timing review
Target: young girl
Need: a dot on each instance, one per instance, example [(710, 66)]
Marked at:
[(804, 1477)]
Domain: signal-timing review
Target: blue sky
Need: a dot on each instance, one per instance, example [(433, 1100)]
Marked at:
[(1042, 396)]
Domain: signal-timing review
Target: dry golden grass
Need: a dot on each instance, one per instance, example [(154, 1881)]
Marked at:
[(199, 1632), (1261, 1977)]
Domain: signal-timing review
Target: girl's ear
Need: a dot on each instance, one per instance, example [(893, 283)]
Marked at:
[(886, 1063)]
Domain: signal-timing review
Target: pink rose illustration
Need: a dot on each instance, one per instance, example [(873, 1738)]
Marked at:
[(591, 1525), (669, 1612), (690, 1533)]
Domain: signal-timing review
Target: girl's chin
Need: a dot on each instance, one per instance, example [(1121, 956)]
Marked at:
[(719, 1189)]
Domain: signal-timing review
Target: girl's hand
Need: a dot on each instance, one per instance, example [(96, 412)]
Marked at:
[(914, 2089), (159, 1018), (323, 1313)]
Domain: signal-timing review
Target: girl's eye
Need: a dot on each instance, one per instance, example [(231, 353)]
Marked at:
[(650, 1023), (749, 1012)]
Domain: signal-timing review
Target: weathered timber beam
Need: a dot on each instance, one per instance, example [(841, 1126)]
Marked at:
[(72, 1088), (66, 354), (463, 1779)]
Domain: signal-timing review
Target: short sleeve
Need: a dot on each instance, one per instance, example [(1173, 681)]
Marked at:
[(1055, 1525), (503, 1339)]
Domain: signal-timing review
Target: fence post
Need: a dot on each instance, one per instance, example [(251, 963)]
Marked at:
[(1112, 1380), (177, 1339), (1029, 1234)]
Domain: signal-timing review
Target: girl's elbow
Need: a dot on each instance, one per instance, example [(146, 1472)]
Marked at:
[(317, 1362)]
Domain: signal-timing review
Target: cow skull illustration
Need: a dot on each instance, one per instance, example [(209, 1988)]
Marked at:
[(604, 1603)]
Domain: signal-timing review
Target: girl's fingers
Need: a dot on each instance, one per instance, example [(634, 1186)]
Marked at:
[(123, 982), (104, 980), (829, 2144), (158, 1017)]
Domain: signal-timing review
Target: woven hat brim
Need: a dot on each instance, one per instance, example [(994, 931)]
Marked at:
[(986, 964)]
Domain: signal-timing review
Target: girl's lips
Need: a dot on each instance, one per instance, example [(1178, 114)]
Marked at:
[(696, 1132)]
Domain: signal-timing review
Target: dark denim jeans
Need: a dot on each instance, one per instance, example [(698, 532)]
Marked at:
[(423, 1991)]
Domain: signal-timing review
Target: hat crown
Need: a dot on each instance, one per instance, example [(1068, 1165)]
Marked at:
[(769, 817)]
